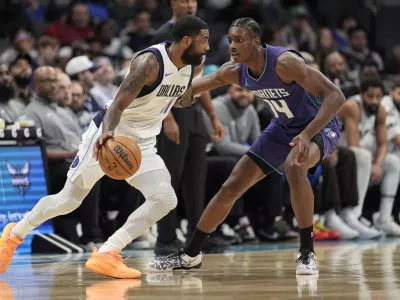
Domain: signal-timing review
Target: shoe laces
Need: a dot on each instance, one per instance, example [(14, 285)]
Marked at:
[(118, 257), (305, 257), (177, 256)]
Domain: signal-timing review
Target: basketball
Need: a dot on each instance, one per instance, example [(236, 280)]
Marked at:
[(120, 158)]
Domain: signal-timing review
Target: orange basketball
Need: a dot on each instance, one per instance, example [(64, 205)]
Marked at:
[(120, 158)]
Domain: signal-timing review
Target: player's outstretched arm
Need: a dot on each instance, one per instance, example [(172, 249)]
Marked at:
[(143, 71), (228, 73), (290, 67)]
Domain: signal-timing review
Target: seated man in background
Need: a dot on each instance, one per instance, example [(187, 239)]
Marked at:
[(77, 104), (61, 148), (391, 103), (9, 109), (364, 120), (242, 127)]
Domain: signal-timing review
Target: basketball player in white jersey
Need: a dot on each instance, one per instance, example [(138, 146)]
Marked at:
[(158, 76), (364, 122)]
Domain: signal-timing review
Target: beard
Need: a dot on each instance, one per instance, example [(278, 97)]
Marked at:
[(189, 58), (6, 92), (22, 81), (372, 109), (239, 106)]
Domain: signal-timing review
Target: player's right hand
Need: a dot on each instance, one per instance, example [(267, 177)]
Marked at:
[(100, 142), (171, 129)]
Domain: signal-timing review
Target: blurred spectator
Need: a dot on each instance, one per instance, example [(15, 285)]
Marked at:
[(142, 34), (326, 44), (336, 69), (22, 74), (239, 119), (299, 33), (7, 112), (35, 10), (43, 109), (64, 98), (23, 44), (61, 148), (77, 104), (104, 90), (77, 26), (80, 68), (111, 44), (359, 50), (393, 63), (345, 22), (364, 121), (48, 49)]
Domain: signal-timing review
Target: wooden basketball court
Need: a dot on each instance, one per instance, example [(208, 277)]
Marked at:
[(357, 270)]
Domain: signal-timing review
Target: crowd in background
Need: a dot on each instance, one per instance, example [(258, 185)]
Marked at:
[(87, 46)]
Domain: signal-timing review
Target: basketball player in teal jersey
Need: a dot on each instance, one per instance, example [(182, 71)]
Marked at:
[(304, 130)]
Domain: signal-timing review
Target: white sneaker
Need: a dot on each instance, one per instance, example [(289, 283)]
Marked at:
[(334, 222), (389, 227), (306, 263), (176, 261), (366, 232)]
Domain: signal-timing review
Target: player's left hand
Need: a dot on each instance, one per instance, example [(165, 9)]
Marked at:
[(304, 148), (218, 128)]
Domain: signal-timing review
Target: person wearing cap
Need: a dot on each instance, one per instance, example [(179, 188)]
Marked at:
[(104, 90), (81, 69)]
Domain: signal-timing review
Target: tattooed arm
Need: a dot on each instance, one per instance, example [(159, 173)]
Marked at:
[(143, 71)]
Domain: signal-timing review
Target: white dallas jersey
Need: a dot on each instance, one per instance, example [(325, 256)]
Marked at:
[(143, 117)]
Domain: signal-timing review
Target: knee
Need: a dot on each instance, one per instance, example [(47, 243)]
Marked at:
[(230, 191), (293, 171), (161, 202), (363, 156)]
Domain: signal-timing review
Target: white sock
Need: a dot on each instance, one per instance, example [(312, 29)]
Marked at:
[(117, 241), (22, 228), (385, 208)]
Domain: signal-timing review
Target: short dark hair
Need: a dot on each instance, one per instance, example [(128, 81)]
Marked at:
[(371, 82), (355, 29), (368, 62), (396, 84), (187, 26), (249, 24)]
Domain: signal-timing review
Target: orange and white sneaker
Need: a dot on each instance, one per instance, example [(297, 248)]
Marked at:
[(8, 244), (111, 264)]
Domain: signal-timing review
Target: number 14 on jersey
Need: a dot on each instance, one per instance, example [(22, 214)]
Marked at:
[(279, 107)]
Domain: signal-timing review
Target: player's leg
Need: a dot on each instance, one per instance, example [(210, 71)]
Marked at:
[(155, 185), (302, 199), (245, 174), (84, 173), (389, 185)]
